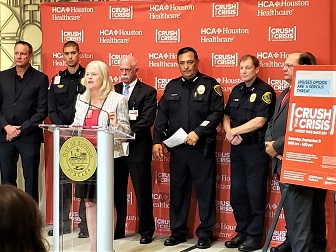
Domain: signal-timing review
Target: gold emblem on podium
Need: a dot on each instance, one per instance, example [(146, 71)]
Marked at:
[(78, 158)]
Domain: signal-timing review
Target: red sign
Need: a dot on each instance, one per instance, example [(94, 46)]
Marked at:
[(310, 154)]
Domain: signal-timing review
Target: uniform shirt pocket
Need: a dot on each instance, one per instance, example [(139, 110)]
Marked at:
[(234, 106), (201, 104), (174, 103), (60, 88)]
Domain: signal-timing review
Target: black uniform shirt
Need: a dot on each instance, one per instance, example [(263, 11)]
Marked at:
[(195, 105), (246, 103), (62, 96)]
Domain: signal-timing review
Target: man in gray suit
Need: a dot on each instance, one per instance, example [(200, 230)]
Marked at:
[(302, 205)]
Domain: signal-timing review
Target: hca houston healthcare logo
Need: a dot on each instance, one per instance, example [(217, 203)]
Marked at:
[(161, 200)]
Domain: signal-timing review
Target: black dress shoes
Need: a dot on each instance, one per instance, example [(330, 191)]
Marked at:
[(250, 244), (119, 234), (172, 241), (203, 243), (83, 234), (235, 241), (283, 247), (145, 239), (65, 230)]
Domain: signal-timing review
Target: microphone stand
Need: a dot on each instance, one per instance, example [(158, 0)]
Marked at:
[(89, 103)]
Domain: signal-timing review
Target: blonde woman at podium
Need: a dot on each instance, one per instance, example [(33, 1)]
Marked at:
[(101, 106)]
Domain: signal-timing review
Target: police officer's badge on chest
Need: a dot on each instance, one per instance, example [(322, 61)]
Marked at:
[(200, 89), (253, 97)]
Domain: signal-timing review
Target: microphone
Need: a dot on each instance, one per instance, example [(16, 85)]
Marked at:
[(108, 120)]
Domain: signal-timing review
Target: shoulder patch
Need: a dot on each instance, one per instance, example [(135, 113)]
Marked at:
[(267, 97), (218, 90)]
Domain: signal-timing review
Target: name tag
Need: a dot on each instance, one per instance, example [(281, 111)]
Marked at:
[(133, 114), (57, 80)]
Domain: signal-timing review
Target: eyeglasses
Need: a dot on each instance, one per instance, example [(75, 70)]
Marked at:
[(127, 70), (289, 66)]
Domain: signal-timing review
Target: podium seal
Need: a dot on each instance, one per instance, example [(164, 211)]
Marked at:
[(78, 158)]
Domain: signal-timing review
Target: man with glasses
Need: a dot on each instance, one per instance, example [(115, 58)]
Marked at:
[(303, 206), (142, 107), (193, 102)]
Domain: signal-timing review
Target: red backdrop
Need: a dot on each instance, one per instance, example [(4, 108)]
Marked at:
[(221, 32)]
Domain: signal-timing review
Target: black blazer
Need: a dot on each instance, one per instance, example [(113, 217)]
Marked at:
[(143, 99), (277, 129), (27, 107)]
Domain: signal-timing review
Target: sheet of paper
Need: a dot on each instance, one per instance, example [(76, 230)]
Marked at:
[(176, 139)]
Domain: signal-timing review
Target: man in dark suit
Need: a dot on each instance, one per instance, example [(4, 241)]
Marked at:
[(23, 106), (302, 205), (142, 106)]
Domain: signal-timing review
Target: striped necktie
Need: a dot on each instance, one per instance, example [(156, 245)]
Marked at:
[(286, 97)]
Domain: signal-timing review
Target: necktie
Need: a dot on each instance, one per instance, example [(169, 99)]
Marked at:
[(286, 97), (126, 91)]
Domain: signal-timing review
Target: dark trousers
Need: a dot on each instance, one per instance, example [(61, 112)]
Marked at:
[(141, 176), (82, 215), (120, 195), (249, 172), (30, 157), (318, 222), (65, 205), (298, 213), (188, 167)]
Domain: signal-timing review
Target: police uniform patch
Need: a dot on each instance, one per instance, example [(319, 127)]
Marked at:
[(253, 97), (267, 97), (201, 89), (218, 90)]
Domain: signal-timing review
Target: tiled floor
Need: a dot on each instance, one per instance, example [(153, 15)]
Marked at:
[(131, 244)]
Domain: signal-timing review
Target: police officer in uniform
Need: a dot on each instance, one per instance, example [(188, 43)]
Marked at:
[(61, 101), (250, 106), (193, 102)]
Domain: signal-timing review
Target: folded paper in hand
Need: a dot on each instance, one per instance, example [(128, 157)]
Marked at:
[(176, 139)]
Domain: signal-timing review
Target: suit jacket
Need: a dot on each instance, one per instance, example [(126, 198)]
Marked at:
[(143, 99), (27, 107), (113, 103), (277, 129)]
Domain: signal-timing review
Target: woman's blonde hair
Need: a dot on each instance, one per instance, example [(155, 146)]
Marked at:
[(107, 85)]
